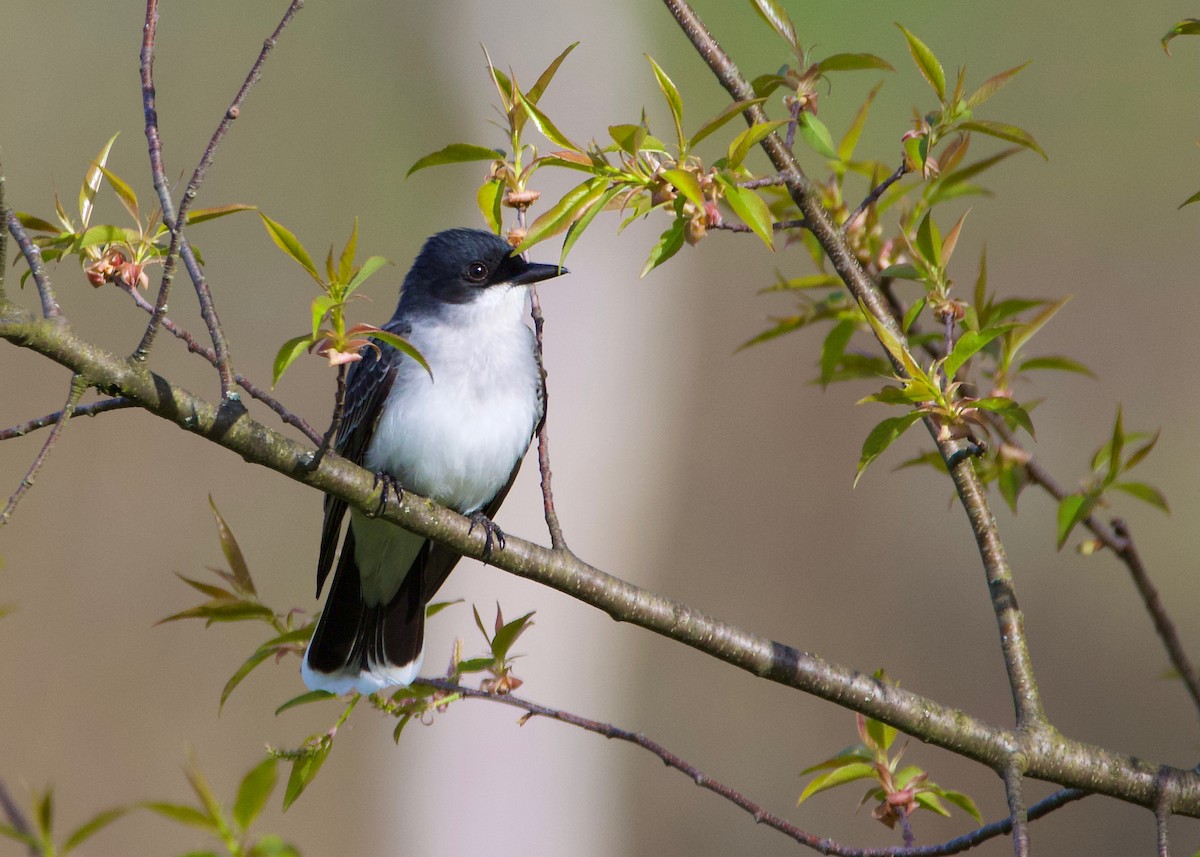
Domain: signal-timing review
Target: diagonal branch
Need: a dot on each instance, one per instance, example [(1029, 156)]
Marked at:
[(1049, 756), (1013, 642), (78, 388), (759, 814), (103, 406), (33, 255)]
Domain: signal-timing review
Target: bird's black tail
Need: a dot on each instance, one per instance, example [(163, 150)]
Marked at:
[(364, 647)]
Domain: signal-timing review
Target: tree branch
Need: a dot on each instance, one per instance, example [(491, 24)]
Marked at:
[(77, 389), (1049, 755), (1013, 643), (37, 270), (103, 406)]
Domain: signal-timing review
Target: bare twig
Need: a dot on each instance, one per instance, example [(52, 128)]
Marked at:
[(557, 540), (1014, 778), (176, 220), (766, 181), (874, 195), (242, 381), (339, 410), (3, 240), (78, 387), (16, 818), (33, 257), (781, 226), (761, 816), (104, 405)]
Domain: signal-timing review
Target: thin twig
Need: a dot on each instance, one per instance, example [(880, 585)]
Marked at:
[(91, 410), (33, 257), (557, 540), (242, 381), (761, 816), (176, 220), (339, 410), (3, 240), (778, 227), (78, 387), (874, 195), (1014, 778), (16, 819), (906, 830), (767, 181), (794, 120)]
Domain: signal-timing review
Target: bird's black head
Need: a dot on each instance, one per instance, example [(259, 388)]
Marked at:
[(458, 265)]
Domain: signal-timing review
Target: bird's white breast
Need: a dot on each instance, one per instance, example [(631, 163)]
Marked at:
[(457, 437)]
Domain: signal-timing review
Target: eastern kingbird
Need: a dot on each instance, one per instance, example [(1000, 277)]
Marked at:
[(457, 438)]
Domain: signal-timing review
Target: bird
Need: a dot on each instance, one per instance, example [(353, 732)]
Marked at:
[(456, 434)]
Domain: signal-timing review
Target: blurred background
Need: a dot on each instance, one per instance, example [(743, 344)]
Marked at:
[(721, 479)]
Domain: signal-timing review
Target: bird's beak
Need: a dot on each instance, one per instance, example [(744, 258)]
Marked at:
[(535, 272)]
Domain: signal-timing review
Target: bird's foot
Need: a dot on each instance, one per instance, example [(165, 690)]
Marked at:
[(388, 482), (491, 532)]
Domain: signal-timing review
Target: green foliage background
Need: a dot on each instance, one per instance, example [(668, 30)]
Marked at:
[(722, 479)]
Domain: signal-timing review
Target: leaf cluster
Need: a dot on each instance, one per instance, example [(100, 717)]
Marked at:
[(897, 792), (109, 253), (330, 336)]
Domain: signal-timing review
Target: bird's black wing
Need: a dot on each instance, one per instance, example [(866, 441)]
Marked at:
[(367, 386)]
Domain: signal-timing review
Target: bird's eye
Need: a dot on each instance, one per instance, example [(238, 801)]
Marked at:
[(477, 272)]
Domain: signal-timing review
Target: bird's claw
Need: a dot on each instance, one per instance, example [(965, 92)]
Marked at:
[(388, 481), (490, 532)]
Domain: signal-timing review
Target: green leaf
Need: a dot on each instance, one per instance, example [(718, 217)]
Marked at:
[(816, 135), (847, 773), (850, 140), (403, 345), (911, 314), (243, 584), (628, 137), (508, 634), (900, 272), (287, 354), (896, 348), (1193, 198), (1139, 454), (104, 234), (124, 192), (181, 813), (92, 826), (853, 62), (244, 670), (303, 770), (881, 437), (35, 224), (368, 268), (474, 665), (253, 792), (1145, 493), (752, 210), (305, 699), (345, 267), (1186, 27), (44, 814), (456, 153), (200, 215), (543, 81), (929, 241), (765, 84), (563, 213), (748, 139), (1010, 410), (1062, 364), (438, 606), (718, 121), (786, 325), (970, 344), (1072, 510), (668, 244), (993, 85), (1025, 332), (543, 123), (778, 20), (964, 803), (674, 101), (834, 347), (576, 229), (34, 846), (931, 802), (879, 732), (288, 243), (927, 63), (208, 589), (488, 198), (91, 182), (1010, 133), (686, 183)]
